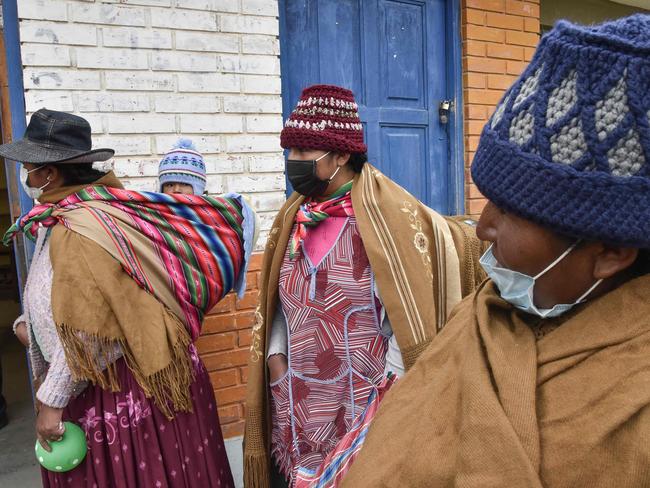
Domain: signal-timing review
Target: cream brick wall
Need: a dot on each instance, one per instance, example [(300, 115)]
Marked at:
[(144, 72)]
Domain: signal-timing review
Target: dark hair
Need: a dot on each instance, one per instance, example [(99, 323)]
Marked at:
[(357, 160), (641, 265), (78, 173)]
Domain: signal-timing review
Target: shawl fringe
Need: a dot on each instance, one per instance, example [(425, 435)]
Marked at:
[(87, 355)]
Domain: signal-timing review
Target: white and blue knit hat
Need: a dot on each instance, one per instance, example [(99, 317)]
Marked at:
[(568, 147), (183, 164)]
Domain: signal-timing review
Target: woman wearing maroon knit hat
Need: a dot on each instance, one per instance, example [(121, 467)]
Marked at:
[(358, 277)]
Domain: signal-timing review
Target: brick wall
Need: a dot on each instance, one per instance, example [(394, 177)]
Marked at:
[(144, 72), (499, 38), (224, 346)]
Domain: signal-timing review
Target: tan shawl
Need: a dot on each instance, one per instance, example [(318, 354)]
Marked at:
[(413, 254), (96, 306), (488, 406)]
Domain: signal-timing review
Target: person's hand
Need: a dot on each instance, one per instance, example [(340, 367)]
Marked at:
[(21, 333), (49, 426), (278, 366)]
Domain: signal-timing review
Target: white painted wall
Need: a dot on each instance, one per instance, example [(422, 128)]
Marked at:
[(144, 72)]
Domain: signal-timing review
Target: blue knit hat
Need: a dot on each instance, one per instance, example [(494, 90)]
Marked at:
[(183, 164), (568, 147)]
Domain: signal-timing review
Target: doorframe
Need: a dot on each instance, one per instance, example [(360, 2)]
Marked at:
[(13, 114), (456, 147)]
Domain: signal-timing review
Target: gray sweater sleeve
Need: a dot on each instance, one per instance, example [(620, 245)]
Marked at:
[(58, 386)]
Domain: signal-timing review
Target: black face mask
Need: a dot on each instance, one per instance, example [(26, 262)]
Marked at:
[(302, 175)]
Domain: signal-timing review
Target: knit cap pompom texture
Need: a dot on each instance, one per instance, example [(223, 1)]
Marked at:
[(568, 146), (183, 164), (326, 117)]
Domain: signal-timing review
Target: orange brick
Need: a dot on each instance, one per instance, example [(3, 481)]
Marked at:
[(245, 320), (474, 48), (248, 301), (531, 24), (234, 394), (484, 65), (473, 193), (230, 414), (219, 323), (476, 112), (255, 263), (233, 430), (475, 80), (251, 281), (515, 67), (224, 360), (216, 342), (476, 206), (505, 51), (225, 305), (528, 53), (473, 16), (481, 33), (474, 127), (495, 5), (243, 372), (244, 337), (224, 379), (504, 21), (527, 9), (522, 38), (500, 82), (472, 143), (483, 97)]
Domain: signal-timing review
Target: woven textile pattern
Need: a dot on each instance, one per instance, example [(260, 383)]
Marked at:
[(198, 240)]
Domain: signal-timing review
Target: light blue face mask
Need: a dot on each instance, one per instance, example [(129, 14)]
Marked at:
[(518, 288)]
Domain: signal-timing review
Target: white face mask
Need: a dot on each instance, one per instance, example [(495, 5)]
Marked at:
[(33, 193), (518, 288)]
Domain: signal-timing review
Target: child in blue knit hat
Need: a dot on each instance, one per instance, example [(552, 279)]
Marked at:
[(182, 170)]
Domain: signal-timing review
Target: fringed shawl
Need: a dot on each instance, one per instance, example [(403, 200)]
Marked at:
[(140, 270)]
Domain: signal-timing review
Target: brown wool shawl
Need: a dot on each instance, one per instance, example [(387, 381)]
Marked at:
[(414, 254), (96, 306), (489, 406)]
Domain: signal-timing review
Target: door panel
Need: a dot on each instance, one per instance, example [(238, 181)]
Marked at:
[(392, 55)]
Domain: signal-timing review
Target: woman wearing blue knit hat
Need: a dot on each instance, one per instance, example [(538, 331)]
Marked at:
[(541, 378), (182, 170)]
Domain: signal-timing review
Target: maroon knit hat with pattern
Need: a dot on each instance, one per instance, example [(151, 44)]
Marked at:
[(326, 117)]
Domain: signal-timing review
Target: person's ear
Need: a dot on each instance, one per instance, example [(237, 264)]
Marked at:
[(52, 173), (610, 260), (342, 159)]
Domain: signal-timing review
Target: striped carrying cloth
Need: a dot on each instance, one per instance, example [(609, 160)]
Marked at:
[(184, 252), (337, 462), (198, 240)]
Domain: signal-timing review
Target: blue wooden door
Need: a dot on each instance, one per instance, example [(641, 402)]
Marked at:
[(393, 55)]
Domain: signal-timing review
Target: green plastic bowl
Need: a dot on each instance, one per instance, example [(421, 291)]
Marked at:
[(67, 453)]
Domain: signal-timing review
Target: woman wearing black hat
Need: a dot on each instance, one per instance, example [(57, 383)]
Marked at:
[(114, 299)]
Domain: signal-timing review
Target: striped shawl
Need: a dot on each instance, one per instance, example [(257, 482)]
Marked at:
[(138, 269)]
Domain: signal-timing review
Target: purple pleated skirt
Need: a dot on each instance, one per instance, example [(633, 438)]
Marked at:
[(131, 444)]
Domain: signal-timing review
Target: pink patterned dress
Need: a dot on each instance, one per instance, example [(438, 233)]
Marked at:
[(336, 350)]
